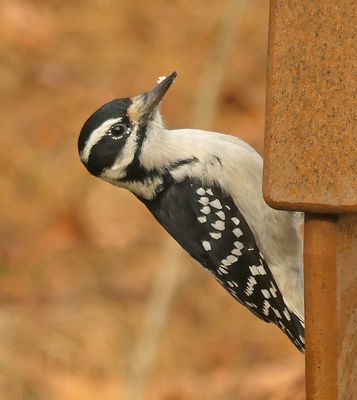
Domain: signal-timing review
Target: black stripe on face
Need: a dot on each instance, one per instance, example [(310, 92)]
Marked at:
[(104, 153), (135, 172), (116, 108)]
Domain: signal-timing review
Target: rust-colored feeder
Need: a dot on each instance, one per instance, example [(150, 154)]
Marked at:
[(311, 166)]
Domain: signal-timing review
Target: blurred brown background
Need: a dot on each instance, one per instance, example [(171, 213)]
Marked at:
[(80, 259)]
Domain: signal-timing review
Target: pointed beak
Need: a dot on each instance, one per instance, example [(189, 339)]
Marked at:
[(144, 105)]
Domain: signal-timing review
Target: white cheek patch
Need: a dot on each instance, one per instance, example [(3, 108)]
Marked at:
[(95, 137), (145, 189)]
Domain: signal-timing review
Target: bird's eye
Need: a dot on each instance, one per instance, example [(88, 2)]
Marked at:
[(117, 131)]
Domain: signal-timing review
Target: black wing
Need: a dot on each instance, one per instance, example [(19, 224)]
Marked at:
[(208, 225)]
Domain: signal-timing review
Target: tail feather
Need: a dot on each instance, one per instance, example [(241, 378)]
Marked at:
[(295, 330)]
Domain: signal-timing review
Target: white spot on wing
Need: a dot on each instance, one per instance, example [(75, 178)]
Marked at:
[(250, 286), (209, 191), (287, 314), (216, 204), (205, 210), (261, 270), (236, 252), (200, 191), (206, 245), (219, 225), (237, 232), (277, 313), (235, 220), (204, 201), (215, 235), (266, 293), (251, 305), (273, 290), (238, 245), (254, 270), (266, 307), (232, 259), (202, 219), (221, 215), (281, 326)]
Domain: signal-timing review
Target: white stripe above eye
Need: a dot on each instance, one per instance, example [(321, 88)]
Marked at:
[(95, 137)]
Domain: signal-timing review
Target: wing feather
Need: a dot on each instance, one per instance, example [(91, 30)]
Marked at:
[(209, 226)]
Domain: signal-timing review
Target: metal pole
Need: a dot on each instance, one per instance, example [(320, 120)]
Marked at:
[(347, 306), (310, 165), (321, 306)]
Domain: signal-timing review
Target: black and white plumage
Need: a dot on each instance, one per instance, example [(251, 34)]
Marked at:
[(205, 189)]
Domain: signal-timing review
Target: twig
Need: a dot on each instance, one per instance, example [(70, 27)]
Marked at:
[(212, 77), (156, 313)]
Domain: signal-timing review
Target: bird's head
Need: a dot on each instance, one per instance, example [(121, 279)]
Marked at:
[(112, 136)]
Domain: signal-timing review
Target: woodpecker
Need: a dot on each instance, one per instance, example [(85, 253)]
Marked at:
[(205, 189)]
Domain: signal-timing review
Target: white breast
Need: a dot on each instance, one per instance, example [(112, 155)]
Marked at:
[(239, 169)]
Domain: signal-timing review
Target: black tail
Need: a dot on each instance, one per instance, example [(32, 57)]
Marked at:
[(294, 328)]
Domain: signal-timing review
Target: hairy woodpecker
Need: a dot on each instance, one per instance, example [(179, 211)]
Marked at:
[(205, 189)]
